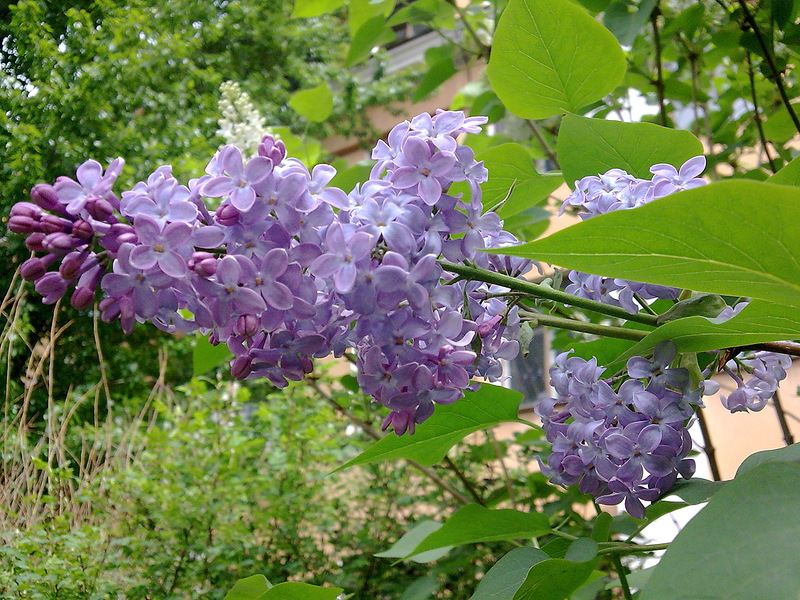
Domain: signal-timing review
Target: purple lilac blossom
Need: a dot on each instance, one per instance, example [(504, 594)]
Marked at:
[(617, 190), (288, 269), (624, 444)]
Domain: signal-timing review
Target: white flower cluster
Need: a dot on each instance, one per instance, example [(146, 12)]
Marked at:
[(241, 124)]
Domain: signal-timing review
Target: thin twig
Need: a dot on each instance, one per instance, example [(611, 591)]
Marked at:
[(788, 348), (659, 82), (537, 133), (757, 114), (506, 478), (788, 438), (584, 326), (776, 73), (708, 447), (467, 483)]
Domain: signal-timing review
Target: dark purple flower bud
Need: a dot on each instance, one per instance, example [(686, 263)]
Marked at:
[(34, 268), (53, 224), (82, 298), (61, 243), (241, 366), (26, 209), (82, 229), (45, 195), (101, 209), (71, 265), (247, 325), (23, 225), (227, 215), (35, 242)]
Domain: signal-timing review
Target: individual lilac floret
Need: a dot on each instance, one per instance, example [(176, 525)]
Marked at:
[(624, 444)]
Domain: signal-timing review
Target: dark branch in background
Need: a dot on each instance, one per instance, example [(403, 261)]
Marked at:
[(467, 483), (484, 51), (708, 447), (659, 82), (788, 438), (776, 74), (537, 133), (757, 114), (788, 348)]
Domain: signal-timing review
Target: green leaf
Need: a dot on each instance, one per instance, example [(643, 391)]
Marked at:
[(557, 578), (511, 170), (788, 175), (503, 580), (440, 68), (249, 588), (626, 21), (361, 11), (473, 523), (529, 224), (373, 32), (760, 321), (314, 104), (421, 589), (404, 547), (593, 146), (743, 545), (346, 179), (205, 356), (717, 238), (293, 590), (314, 8), (695, 490), (487, 407), (551, 57), (787, 454)]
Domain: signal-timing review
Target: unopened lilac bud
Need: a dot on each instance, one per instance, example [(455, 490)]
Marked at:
[(53, 224), (82, 229), (71, 265), (82, 298), (23, 225), (227, 215), (203, 263), (273, 149), (34, 268), (61, 243), (101, 209), (118, 234), (241, 366), (44, 195), (213, 338), (35, 242), (26, 209), (247, 325)]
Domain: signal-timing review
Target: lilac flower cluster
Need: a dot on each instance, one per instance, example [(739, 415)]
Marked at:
[(625, 442), (766, 370), (287, 269), (618, 190)]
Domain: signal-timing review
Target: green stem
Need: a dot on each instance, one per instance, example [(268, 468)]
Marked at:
[(623, 578), (541, 291), (620, 549), (583, 326)]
